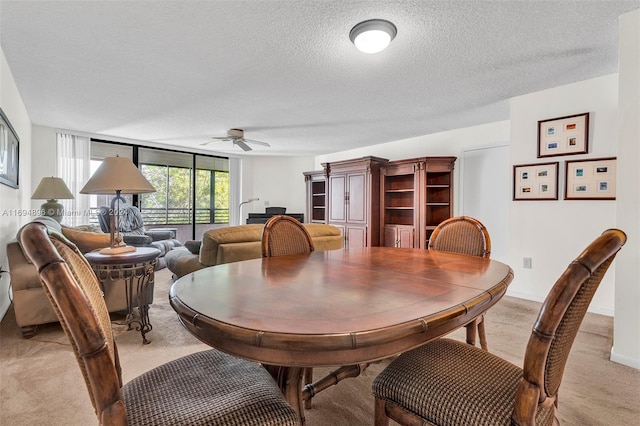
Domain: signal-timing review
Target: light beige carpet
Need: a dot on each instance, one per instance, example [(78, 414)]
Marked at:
[(41, 383)]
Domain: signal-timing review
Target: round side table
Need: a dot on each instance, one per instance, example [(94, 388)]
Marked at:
[(136, 269)]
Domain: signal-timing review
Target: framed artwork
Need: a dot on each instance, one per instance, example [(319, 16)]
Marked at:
[(535, 181), (591, 179), (9, 152), (563, 136)]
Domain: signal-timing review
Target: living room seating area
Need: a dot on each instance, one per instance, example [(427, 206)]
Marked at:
[(32, 308)]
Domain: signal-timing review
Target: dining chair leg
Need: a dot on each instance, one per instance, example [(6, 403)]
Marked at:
[(471, 332), (308, 379), (380, 417), (476, 329), (481, 333)]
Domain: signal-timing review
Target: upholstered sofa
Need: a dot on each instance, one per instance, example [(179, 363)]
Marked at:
[(235, 243), (30, 303)]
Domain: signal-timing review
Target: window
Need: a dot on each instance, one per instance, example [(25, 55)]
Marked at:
[(171, 174)]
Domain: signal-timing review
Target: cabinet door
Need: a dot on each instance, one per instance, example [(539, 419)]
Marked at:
[(337, 191), (399, 236), (406, 237), (356, 237), (357, 204), (390, 234)]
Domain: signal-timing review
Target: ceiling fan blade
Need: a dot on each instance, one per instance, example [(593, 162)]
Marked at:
[(241, 144), (215, 141), (256, 142)]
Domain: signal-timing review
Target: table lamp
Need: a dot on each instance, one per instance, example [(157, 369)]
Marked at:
[(52, 189), (117, 175)]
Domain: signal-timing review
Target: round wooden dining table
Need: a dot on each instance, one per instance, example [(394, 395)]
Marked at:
[(334, 308)]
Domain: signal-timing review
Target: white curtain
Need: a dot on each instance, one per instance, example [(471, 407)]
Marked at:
[(74, 167), (235, 189)]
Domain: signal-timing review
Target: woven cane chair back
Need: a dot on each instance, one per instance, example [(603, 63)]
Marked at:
[(284, 235), (561, 315), (462, 234)]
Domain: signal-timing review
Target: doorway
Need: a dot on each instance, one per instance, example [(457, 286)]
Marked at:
[(486, 193)]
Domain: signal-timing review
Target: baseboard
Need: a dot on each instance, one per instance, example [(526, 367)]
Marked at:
[(624, 360)]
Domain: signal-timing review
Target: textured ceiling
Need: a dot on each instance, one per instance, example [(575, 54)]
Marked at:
[(181, 72)]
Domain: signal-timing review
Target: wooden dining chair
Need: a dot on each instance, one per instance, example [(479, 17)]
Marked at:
[(447, 382), (207, 387), (466, 235), (284, 235)]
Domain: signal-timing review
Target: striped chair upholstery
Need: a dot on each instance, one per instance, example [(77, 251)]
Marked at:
[(207, 387), (466, 235), (447, 382)]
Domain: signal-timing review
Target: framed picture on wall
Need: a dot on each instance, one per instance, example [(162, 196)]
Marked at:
[(9, 152), (591, 179), (563, 135), (535, 181)]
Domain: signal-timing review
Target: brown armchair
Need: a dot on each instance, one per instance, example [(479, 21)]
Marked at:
[(446, 382), (466, 235), (207, 387)]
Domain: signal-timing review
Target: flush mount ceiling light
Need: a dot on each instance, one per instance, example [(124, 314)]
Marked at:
[(373, 36)]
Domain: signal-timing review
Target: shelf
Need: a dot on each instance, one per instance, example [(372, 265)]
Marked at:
[(318, 207), (438, 186), (398, 190), (437, 204), (398, 208)]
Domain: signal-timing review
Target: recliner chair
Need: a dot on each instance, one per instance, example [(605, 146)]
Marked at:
[(133, 231)]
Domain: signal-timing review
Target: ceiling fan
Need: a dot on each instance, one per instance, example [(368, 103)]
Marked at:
[(237, 137)]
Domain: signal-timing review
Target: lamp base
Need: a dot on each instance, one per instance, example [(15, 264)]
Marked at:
[(53, 209), (117, 250)]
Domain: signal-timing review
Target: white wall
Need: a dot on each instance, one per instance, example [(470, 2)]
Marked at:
[(553, 233), (277, 181), (14, 203), (452, 142), (626, 337), (44, 163)]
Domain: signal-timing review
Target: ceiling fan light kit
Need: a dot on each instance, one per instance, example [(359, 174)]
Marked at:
[(373, 35)]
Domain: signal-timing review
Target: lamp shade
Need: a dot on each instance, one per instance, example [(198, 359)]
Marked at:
[(117, 174), (52, 188)]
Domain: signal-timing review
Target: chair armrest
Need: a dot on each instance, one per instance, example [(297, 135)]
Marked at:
[(161, 233), (193, 246), (137, 240)]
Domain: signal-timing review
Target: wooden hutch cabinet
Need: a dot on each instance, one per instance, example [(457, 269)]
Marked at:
[(415, 196), (379, 202), (351, 199)]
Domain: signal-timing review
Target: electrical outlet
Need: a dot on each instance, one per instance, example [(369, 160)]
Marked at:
[(266, 203), (526, 262)]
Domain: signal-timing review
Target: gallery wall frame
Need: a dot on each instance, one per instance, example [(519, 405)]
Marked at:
[(9, 152), (535, 181), (593, 179), (567, 135)]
